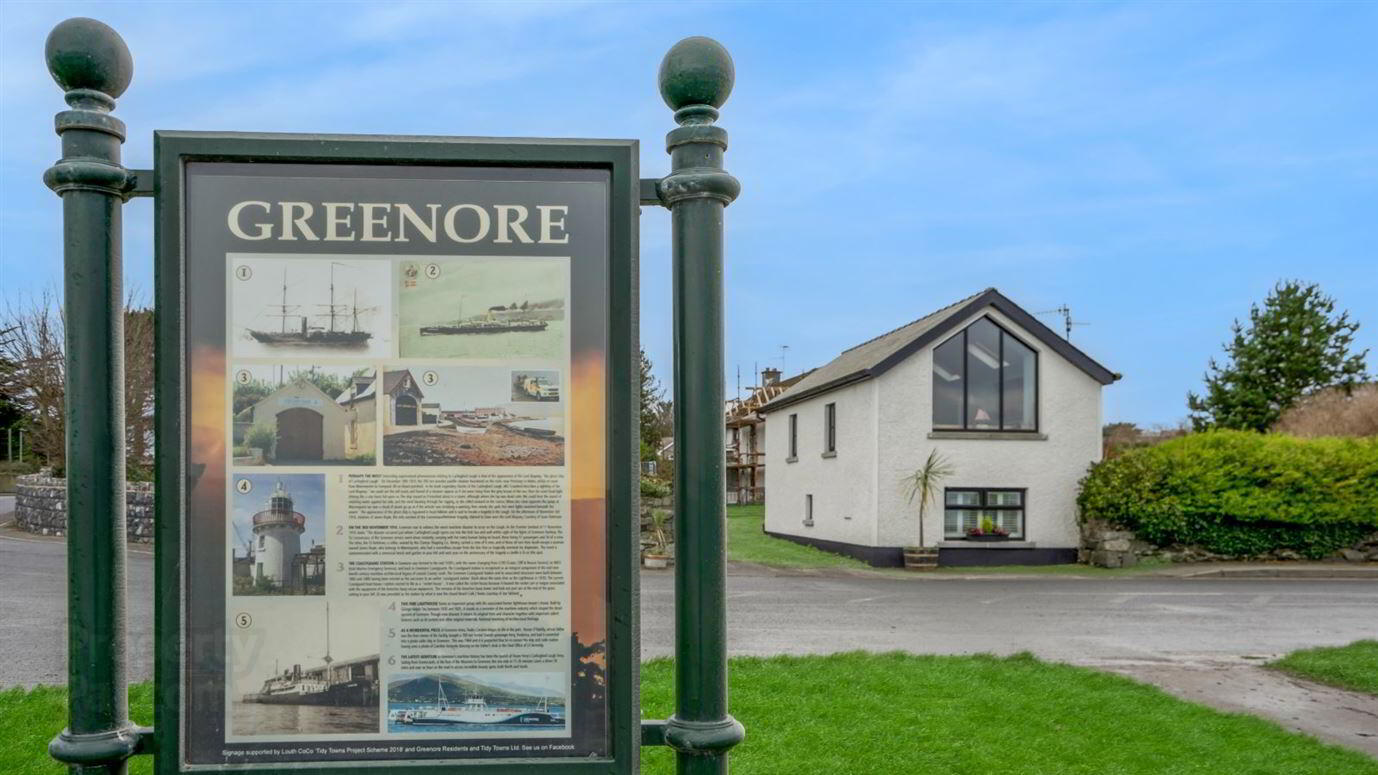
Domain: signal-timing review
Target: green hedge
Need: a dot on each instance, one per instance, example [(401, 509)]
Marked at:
[(1240, 493)]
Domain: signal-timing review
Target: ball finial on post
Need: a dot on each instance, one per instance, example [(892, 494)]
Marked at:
[(87, 54), (696, 71)]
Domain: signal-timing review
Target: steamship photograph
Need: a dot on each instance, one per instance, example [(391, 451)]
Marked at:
[(322, 306), (304, 415), (503, 308), (304, 669), (465, 416), (277, 534), (522, 702)]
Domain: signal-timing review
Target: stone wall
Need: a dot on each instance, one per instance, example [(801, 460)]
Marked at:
[(40, 506), (1108, 546)]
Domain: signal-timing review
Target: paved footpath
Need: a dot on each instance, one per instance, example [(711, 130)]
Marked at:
[(1201, 639)]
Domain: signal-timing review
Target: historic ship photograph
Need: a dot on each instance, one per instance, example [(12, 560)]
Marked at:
[(313, 693), (429, 703), (495, 320), (484, 308), (319, 306)]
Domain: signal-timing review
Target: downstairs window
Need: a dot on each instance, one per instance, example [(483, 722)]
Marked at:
[(998, 512)]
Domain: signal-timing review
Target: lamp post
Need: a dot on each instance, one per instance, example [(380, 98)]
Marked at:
[(93, 66), (695, 80)]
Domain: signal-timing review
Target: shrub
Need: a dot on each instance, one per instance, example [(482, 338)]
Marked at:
[(262, 436), (1241, 493), (654, 488)]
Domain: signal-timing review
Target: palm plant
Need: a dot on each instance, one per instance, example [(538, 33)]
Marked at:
[(923, 484)]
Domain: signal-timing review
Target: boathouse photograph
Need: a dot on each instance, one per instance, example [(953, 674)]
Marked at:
[(277, 534), (321, 306), (484, 308), (464, 415), (304, 415)]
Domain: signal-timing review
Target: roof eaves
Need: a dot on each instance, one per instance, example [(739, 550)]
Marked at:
[(794, 398)]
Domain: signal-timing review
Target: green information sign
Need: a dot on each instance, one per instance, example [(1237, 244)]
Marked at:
[(406, 444)]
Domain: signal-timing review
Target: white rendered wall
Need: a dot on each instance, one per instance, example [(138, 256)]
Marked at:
[(280, 545), (1069, 415), (842, 486)]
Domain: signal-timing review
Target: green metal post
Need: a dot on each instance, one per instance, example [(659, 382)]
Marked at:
[(695, 80), (91, 63)]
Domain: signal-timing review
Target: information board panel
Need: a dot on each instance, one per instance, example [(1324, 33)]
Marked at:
[(406, 423)]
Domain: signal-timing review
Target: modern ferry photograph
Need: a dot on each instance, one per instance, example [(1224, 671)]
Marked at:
[(304, 669), (322, 306), (483, 308), (476, 702), (277, 534), (465, 416), (535, 386), (303, 415)]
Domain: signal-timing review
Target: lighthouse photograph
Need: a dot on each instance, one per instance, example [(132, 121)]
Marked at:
[(277, 534)]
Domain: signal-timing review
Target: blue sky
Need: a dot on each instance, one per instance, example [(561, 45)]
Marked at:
[(1157, 167)]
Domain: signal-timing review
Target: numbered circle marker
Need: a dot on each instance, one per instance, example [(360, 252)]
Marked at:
[(432, 271), (243, 376), (430, 378), (243, 621), (244, 485), (243, 272)]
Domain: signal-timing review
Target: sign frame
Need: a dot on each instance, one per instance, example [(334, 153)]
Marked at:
[(172, 152)]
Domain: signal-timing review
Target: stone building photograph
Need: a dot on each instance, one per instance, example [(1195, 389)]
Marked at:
[(304, 415)]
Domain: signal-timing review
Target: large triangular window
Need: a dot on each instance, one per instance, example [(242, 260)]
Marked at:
[(985, 379)]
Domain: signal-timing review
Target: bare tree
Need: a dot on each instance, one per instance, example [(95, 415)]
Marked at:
[(35, 375), (138, 383)]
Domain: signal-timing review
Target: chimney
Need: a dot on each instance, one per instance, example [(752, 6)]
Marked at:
[(769, 377)]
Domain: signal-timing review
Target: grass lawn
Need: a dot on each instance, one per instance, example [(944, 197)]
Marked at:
[(864, 714), (1349, 667), (746, 543)]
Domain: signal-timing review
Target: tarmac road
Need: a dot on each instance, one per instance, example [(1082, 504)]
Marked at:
[(1198, 638)]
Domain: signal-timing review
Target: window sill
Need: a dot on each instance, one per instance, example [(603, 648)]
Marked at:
[(791, 460), (808, 523), (963, 544), (829, 454), (989, 435)]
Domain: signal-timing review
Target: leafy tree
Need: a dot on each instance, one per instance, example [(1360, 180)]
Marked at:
[(1293, 346), (651, 408)]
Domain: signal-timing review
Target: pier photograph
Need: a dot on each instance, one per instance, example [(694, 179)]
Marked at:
[(304, 670), (484, 308), (464, 415), (322, 306), (304, 415), (277, 534), (522, 702)]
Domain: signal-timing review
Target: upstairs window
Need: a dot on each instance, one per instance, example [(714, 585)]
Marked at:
[(985, 379), (793, 436), (830, 428)]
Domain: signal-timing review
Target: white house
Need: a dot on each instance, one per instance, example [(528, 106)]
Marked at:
[(1014, 408)]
